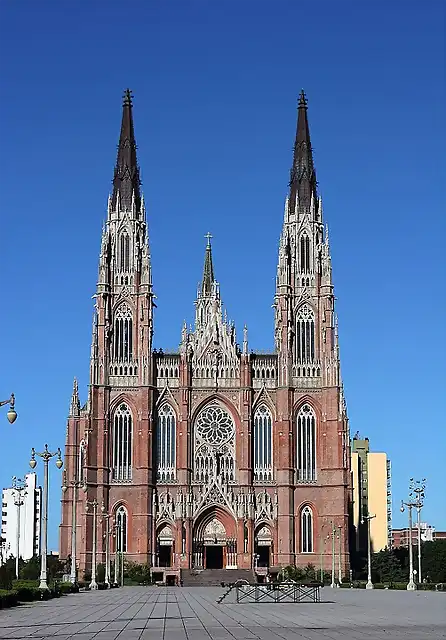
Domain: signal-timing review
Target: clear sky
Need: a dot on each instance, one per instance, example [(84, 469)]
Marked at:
[(216, 87)]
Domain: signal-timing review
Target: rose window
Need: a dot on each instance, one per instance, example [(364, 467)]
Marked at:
[(214, 425)]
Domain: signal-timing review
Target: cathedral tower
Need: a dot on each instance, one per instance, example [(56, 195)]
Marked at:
[(211, 456)]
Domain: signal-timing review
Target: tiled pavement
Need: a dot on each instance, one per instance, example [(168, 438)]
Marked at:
[(157, 613)]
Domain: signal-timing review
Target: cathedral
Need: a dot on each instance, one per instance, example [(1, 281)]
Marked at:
[(212, 456)]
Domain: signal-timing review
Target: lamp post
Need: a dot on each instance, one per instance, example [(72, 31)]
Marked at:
[(19, 488), (333, 556), (106, 518), (368, 518), (118, 534), (417, 488), (411, 584), (340, 553), (46, 457), (88, 505), (76, 484), (115, 536), (12, 414)]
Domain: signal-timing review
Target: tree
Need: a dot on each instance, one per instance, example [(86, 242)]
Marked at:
[(386, 567), (433, 559)]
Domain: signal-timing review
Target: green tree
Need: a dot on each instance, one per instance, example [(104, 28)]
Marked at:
[(433, 560), (30, 569), (386, 567)]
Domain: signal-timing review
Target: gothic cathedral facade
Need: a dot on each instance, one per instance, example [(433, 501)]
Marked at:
[(213, 456)]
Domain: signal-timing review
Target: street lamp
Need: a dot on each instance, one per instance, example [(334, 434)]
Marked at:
[(118, 535), (417, 497), (340, 552), (76, 484), (19, 489), (369, 517), (88, 505), (46, 457), (12, 414), (333, 556), (411, 585), (106, 518)]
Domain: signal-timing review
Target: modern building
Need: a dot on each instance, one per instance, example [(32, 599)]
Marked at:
[(372, 494), (214, 455), (401, 537), (29, 518)]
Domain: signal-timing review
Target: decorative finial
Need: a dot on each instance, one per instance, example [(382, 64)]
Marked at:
[(208, 237), (303, 99), (128, 97)]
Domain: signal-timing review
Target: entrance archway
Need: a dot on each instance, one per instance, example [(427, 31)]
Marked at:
[(165, 546), (262, 546), (214, 544)]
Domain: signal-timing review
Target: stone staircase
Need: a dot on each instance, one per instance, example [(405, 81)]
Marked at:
[(215, 577)]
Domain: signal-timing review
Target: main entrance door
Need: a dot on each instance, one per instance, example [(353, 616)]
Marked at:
[(214, 556)]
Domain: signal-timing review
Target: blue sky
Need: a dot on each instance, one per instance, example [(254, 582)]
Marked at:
[(216, 85)]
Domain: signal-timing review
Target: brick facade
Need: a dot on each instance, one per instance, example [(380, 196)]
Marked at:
[(184, 521)]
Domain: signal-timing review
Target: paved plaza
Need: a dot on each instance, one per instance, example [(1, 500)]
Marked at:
[(159, 613)]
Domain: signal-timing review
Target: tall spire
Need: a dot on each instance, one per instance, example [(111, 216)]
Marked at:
[(126, 180), (208, 271), (303, 176)]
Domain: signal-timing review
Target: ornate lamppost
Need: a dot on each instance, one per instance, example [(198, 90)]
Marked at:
[(75, 484), (416, 499), (368, 518), (417, 488), (12, 414), (411, 586), (106, 518), (88, 505), (333, 556), (19, 489), (340, 555), (46, 457)]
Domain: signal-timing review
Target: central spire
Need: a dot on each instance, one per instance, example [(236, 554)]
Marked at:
[(208, 271), (303, 176), (126, 180)]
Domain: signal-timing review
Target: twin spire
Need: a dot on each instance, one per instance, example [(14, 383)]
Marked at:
[(126, 180)]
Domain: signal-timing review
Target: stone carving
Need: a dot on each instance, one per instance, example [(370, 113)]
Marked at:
[(215, 531), (265, 506), (164, 506)]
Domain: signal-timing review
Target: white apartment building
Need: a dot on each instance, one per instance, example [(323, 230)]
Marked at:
[(29, 520)]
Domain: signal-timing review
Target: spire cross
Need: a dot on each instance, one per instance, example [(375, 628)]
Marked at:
[(208, 237)]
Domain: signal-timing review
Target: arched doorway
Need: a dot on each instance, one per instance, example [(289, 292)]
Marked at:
[(215, 545), (262, 546), (165, 546)]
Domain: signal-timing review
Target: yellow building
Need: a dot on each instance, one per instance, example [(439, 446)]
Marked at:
[(371, 483)]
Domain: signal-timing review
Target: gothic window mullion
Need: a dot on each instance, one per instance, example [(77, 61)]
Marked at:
[(122, 444), (166, 450), (306, 444), (262, 445)]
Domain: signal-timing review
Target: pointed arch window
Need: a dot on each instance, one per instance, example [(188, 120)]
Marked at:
[(306, 530), (304, 253), (305, 349), (122, 444), (124, 252), (121, 529), (262, 442), (123, 334), (166, 441), (306, 444)]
